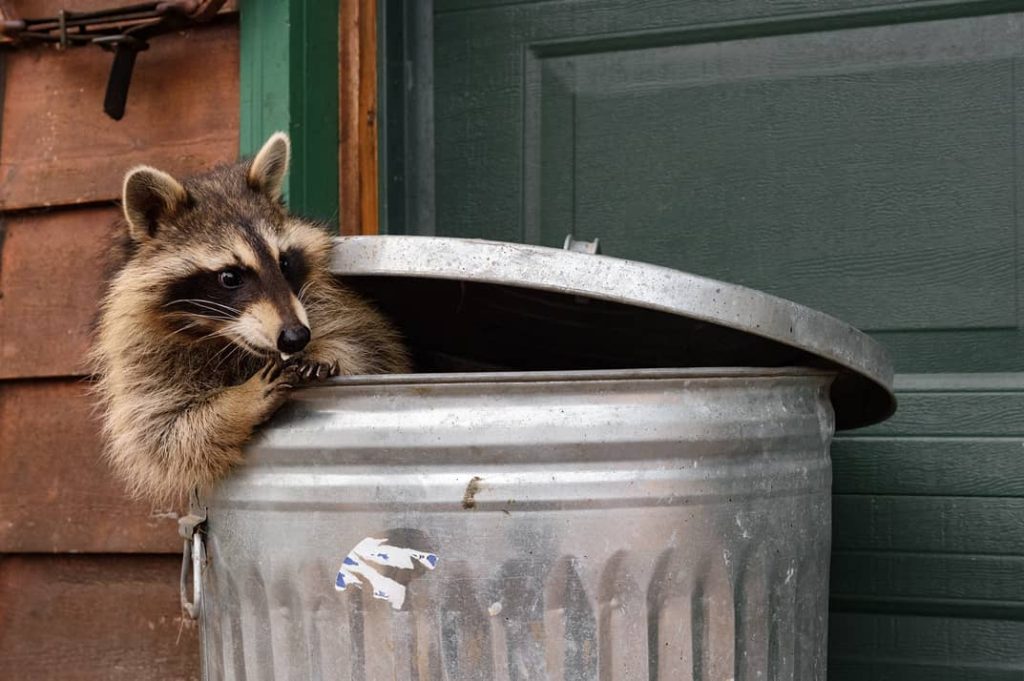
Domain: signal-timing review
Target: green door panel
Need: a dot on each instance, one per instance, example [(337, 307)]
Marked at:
[(857, 156), (841, 169)]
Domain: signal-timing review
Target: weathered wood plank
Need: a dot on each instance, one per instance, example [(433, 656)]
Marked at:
[(57, 145), (51, 272), (986, 467), (56, 493), (92, 618), (963, 525)]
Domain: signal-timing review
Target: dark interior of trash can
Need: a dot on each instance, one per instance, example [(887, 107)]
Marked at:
[(467, 326), (453, 325)]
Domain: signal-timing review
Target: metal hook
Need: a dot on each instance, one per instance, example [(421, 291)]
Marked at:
[(193, 556), (62, 21)]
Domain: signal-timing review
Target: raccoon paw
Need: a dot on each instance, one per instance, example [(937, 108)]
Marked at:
[(275, 380), (276, 377), (311, 371)]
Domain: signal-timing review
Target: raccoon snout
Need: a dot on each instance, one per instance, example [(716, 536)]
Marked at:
[(293, 338)]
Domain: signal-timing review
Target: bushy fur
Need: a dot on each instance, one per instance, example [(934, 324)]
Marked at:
[(183, 382)]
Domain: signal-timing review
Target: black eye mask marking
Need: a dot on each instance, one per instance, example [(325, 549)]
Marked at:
[(219, 296), (295, 268), (291, 262), (204, 294)]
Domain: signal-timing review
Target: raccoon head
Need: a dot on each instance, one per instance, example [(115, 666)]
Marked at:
[(217, 256)]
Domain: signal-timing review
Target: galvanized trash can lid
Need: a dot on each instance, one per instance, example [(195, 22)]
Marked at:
[(467, 304)]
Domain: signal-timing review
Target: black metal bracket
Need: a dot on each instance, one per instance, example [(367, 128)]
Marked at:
[(125, 31)]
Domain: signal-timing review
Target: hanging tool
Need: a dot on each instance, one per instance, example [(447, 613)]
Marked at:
[(125, 31)]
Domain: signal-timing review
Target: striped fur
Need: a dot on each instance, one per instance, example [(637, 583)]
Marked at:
[(186, 367)]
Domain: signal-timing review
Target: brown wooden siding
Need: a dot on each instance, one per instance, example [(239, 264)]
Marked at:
[(86, 617), (88, 579)]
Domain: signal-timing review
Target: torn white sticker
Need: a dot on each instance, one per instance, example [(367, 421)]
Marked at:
[(359, 564)]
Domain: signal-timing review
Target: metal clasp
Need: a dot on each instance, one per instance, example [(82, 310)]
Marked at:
[(193, 555), (578, 246)]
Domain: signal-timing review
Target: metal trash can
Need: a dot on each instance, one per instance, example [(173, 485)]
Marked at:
[(609, 470)]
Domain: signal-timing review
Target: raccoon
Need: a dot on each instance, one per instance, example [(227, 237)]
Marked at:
[(222, 304)]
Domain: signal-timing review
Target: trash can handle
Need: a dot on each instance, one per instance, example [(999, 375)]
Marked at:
[(590, 247), (192, 561), (192, 557)]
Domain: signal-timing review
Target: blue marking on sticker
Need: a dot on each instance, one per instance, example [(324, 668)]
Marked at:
[(359, 568)]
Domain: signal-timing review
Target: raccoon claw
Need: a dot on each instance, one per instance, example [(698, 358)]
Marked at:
[(309, 372), (278, 377), (271, 371)]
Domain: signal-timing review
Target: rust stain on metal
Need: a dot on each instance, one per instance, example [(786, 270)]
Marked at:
[(469, 498)]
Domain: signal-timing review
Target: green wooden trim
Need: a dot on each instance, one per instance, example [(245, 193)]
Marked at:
[(289, 81)]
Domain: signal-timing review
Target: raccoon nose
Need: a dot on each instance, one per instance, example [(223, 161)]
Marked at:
[(293, 339)]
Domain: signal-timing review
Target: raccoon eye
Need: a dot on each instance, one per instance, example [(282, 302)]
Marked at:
[(230, 278), (285, 263)]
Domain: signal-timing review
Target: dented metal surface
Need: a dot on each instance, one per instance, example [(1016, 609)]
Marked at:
[(663, 524)]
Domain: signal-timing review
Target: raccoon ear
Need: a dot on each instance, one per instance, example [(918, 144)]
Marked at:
[(150, 195), (267, 170)]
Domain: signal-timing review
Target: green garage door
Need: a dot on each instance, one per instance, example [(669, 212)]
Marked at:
[(856, 156)]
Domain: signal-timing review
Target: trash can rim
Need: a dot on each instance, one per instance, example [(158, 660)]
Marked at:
[(862, 394), (572, 376)]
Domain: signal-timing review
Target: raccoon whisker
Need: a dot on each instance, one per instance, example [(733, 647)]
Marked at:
[(181, 330), (303, 290), (220, 314), (182, 300), (219, 318), (240, 340), (231, 349), (226, 308), (203, 301), (218, 333), (213, 317), (255, 352), (236, 351), (209, 305), (193, 324)]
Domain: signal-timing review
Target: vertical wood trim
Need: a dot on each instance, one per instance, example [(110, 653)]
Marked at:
[(288, 81), (368, 176), (360, 204)]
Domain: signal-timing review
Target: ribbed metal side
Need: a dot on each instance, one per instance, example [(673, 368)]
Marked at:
[(660, 527)]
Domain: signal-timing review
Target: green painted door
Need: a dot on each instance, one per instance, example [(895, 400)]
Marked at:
[(858, 156)]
